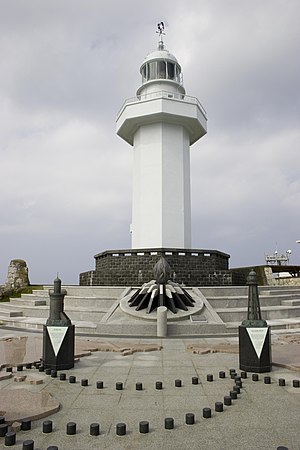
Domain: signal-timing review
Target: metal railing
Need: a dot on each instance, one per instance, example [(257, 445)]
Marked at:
[(163, 94)]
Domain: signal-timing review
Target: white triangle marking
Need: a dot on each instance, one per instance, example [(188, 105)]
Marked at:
[(57, 335), (257, 337)]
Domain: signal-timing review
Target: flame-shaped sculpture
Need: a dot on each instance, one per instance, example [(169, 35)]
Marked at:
[(161, 292), (162, 271)]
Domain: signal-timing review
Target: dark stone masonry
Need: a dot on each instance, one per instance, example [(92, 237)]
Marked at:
[(192, 267)]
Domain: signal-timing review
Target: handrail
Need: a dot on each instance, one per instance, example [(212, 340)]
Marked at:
[(163, 94)]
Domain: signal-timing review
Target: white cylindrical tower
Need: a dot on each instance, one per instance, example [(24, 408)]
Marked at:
[(161, 123)]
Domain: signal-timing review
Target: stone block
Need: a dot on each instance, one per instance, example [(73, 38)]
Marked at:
[(35, 381), (20, 378), (15, 426)]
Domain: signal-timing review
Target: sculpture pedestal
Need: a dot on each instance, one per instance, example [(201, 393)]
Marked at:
[(58, 347), (255, 349)]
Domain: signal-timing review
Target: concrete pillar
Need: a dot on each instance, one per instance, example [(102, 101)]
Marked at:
[(162, 326)]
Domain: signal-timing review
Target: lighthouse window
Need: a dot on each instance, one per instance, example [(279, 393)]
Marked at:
[(152, 71), (177, 74), (171, 71), (144, 74), (161, 69)]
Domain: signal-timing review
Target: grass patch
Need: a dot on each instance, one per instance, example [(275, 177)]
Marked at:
[(17, 294)]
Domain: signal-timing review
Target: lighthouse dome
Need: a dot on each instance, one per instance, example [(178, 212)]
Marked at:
[(160, 70)]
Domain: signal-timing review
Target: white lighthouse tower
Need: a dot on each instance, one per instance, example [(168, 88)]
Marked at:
[(161, 123)]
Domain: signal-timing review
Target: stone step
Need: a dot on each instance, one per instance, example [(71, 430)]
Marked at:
[(94, 314), (69, 301), (269, 290), (10, 312), (242, 301), (37, 323), (292, 302), (90, 291), (279, 324), (27, 300), (122, 329), (268, 313), (233, 291)]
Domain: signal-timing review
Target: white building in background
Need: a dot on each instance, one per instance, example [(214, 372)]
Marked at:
[(161, 123)]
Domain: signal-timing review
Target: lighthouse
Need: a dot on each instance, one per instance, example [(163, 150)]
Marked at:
[(161, 124)]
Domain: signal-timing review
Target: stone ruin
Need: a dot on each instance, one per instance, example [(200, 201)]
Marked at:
[(17, 277)]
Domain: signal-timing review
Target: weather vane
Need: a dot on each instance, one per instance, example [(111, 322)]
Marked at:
[(160, 28), (160, 31)]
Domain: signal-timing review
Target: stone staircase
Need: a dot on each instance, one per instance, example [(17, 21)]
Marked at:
[(85, 306), (94, 311), (280, 306)]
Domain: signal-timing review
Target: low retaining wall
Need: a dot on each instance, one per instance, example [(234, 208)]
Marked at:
[(196, 267), (266, 276)]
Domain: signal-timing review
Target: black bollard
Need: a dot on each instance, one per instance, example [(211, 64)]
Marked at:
[(282, 448), (144, 427), (9, 369), (232, 371), (219, 407), (62, 377), (2, 419), (190, 418), (233, 395), (296, 383), (41, 368), (94, 429), (209, 377), (281, 382), (71, 428), (28, 366), (10, 439), (99, 385), (47, 426), (28, 445), (3, 429), (244, 374), (119, 386), (206, 412), (121, 429), (85, 382), (53, 373), (52, 447), (48, 371), (267, 380), (169, 423), (158, 385), (26, 425), (227, 400), (139, 386), (177, 383), (255, 377), (195, 380), (19, 368), (237, 389), (222, 374), (239, 384), (72, 379)]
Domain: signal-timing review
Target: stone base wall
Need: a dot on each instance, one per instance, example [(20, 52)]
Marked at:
[(135, 267), (266, 276), (240, 274)]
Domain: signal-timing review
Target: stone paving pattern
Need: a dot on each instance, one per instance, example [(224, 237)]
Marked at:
[(263, 417)]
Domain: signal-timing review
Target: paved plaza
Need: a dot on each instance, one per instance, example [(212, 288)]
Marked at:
[(264, 416)]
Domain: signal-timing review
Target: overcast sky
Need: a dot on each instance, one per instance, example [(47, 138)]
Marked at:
[(65, 177)]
